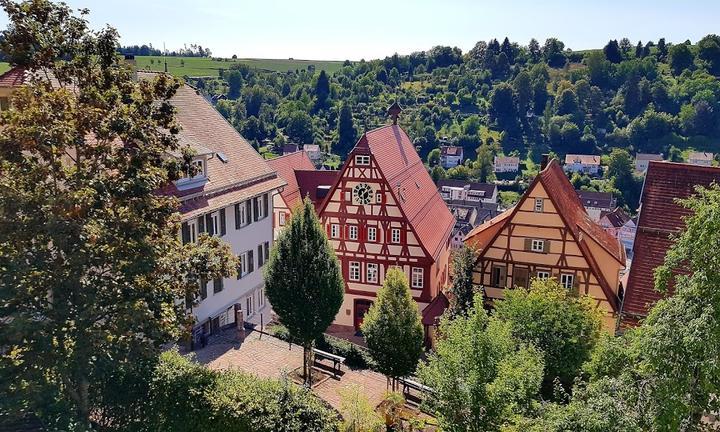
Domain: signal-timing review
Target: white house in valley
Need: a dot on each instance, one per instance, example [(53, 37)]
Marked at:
[(585, 164), (701, 158), (642, 160), (230, 197), (506, 164)]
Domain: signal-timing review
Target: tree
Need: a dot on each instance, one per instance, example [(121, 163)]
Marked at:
[(523, 89), (322, 90), (502, 105), (554, 54), (484, 164), (347, 134), (480, 376), (662, 49), (303, 281), (620, 171), (639, 49), (92, 264), (612, 52), (681, 58), (561, 325), (299, 128), (438, 173), (392, 328), (358, 413), (625, 46), (462, 289), (234, 80), (709, 51), (534, 50), (567, 103), (433, 158)]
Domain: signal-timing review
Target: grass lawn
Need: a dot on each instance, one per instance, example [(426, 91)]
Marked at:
[(4, 67), (201, 66)]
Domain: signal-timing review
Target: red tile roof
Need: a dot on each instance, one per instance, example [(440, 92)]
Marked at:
[(411, 184), (617, 218), (310, 180), (286, 166), (433, 311), (15, 77), (582, 159), (660, 217)]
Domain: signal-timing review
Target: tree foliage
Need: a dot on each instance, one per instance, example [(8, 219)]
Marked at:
[(462, 290)]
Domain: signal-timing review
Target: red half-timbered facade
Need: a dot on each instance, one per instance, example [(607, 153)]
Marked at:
[(384, 211)]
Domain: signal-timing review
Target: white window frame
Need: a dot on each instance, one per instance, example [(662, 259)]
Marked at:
[(281, 218), (372, 271), (243, 264), (215, 219), (250, 305), (539, 205), (353, 232), (542, 274), (567, 280), (395, 235), (378, 197), (417, 278), (537, 245), (261, 298), (192, 227), (260, 207), (354, 271), (372, 234), (362, 159), (200, 165), (334, 231), (242, 214)]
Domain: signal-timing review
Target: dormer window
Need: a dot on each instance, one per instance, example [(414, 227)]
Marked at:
[(199, 167), (362, 159), (198, 177)]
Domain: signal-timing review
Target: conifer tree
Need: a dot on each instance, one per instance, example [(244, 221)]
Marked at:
[(303, 281), (392, 328), (462, 288)]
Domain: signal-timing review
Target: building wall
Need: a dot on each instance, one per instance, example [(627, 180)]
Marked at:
[(249, 237), (582, 168), (280, 212), (562, 256)]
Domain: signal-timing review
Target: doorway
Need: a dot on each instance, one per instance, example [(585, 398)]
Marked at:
[(521, 277), (361, 308)]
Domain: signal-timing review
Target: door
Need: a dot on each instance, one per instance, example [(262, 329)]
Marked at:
[(361, 308), (520, 277)]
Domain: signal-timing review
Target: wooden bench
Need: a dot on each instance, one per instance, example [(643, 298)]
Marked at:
[(336, 359), (410, 384)]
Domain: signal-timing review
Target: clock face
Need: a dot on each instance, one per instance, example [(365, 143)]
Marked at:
[(362, 193)]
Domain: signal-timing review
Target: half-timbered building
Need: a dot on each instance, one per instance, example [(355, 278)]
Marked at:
[(384, 211), (548, 234)]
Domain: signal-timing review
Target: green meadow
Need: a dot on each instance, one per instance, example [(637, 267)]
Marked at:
[(203, 66)]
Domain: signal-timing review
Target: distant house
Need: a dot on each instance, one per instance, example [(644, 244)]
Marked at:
[(585, 164), (643, 159), (506, 164), (467, 217), (451, 156), (620, 225), (313, 152), (461, 191), (701, 158), (597, 203), (289, 148)]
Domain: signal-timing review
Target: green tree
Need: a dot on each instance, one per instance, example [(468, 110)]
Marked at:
[(620, 172), (502, 105), (484, 164), (523, 89), (347, 134), (438, 173), (433, 158), (563, 326), (681, 58), (357, 412), (92, 267), (480, 376), (303, 281), (392, 328), (567, 103), (299, 128), (322, 90), (709, 51), (462, 290), (234, 80), (612, 52)]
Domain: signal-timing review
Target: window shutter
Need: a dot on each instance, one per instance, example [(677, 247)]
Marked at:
[(237, 216), (546, 246), (248, 212), (251, 261), (503, 277), (201, 224), (267, 251), (266, 204), (528, 244), (256, 208), (576, 286), (260, 256), (217, 285), (208, 222), (223, 226), (185, 232)]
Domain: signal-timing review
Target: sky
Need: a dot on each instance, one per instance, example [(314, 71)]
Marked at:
[(341, 29)]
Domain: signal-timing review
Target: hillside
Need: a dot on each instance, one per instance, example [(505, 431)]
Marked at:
[(205, 66)]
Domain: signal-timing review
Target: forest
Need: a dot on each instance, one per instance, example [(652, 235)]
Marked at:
[(499, 97)]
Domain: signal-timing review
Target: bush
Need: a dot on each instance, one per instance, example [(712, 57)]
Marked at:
[(185, 396)]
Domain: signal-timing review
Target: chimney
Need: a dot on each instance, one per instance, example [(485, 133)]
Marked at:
[(544, 161), (394, 112)]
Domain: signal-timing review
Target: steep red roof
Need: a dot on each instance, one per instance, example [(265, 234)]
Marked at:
[(309, 182), (286, 166), (660, 218), (411, 184), (433, 311), (15, 77)]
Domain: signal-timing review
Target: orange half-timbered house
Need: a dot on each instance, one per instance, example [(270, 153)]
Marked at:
[(549, 234)]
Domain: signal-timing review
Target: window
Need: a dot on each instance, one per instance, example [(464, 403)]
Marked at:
[(372, 234), (261, 298), (260, 206), (249, 305), (261, 256), (335, 231), (214, 223), (497, 276), (378, 198), (241, 215), (217, 285), (266, 246), (353, 232), (189, 232), (395, 235), (4, 104), (417, 278), (281, 218), (362, 159), (567, 280), (203, 289), (539, 202), (372, 273), (543, 274), (242, 265), (198, 167), (537, 245), (354, 271)]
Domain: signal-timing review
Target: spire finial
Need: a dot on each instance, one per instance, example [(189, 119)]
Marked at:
[(394, 112)]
